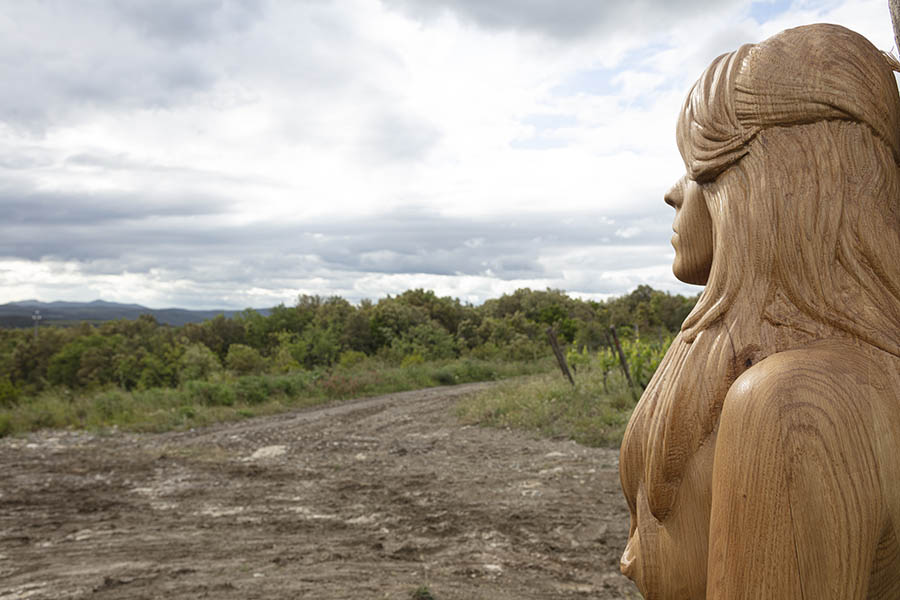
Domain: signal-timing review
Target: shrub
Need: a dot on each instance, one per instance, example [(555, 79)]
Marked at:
[(288, 385), (429, 340), (128, 371), (5, 425), (446, 376), (412, 359), (351, 358), (197, 362), (252, 390), (111, 404), (472, 370), (316, 347), (154, 374), (210, 393), (340, 385), (9, 393), (244, 360), (283, 361)]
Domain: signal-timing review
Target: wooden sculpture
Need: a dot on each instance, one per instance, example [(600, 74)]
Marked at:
[(763, 460)]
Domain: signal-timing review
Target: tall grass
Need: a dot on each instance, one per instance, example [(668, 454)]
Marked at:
[(549, 405), (230, 397), (594, 412)]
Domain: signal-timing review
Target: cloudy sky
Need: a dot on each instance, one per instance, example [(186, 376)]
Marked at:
[(234, 153)]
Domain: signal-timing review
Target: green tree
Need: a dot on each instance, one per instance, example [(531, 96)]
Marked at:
[(155, 373), (9, 393), (219, 333), (198, 362), (316, 346), (447, 312), (31, 357), (429, 340), (244, 360), (256, 329), (86, 360)]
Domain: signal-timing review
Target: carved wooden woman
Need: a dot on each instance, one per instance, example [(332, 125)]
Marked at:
[(763, 460)]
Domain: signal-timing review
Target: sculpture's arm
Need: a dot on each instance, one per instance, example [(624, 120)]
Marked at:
[(796, 505)]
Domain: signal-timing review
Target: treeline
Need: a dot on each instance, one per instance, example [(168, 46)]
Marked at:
[(415, 326)]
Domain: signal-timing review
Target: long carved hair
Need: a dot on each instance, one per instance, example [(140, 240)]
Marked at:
[(796, 144)]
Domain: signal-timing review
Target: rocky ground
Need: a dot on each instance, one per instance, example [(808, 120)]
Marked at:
[(367, 499)]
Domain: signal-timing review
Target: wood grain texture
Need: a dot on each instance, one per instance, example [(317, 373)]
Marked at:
[(763, 460)]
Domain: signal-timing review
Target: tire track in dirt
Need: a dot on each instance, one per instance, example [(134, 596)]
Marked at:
[(366, 499)]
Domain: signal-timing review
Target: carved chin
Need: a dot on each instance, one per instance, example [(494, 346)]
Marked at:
[(693, 274)]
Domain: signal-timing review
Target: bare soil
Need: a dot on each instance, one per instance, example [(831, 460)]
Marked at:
[(366, 499)]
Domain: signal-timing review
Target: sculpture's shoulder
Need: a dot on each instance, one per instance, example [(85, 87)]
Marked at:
[(837, 365), (805, 462), (816, 387), (820, 374)]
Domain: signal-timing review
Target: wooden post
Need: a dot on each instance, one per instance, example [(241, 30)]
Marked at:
[(624, 364), (894, 5), (554, 343)]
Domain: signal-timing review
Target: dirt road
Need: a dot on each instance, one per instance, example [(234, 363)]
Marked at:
[(369, 499)]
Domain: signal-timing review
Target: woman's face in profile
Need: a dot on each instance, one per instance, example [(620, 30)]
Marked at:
[(693, 240)]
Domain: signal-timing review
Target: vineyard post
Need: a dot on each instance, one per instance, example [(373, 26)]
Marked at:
[(894, 6), (554, 343), (615, 337)]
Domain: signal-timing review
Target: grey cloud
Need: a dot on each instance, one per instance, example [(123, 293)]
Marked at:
[(24, 158), (572, 18), (135, 234), (221, 260), (98, 209), (123, 162), (185, 22), (66, 62), (63, 59), (67, 57)]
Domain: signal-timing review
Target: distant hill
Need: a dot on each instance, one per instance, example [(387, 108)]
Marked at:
[(18, 314)]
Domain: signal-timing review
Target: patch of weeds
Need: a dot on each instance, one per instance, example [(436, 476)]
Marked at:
[(422, 593), (476, 370), (289, 385), (351, 358), (111, 406), (550, 406), (411, 360), (446, 376)]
